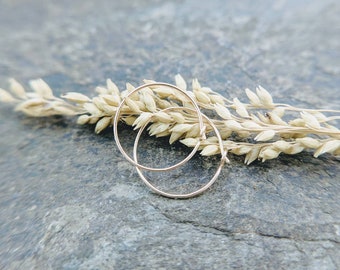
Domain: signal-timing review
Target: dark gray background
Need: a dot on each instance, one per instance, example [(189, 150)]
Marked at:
[(69, 200)]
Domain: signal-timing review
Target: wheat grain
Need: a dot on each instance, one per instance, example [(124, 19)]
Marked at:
[(222, 111), (103, 123), (240, 108), (17, 89), (142, 119), (309, 142), (253, 98), (76, 97), (201, 96), (265, 136), (327, 147), (264, 96), (7, 97), (210, 150), (112, 88), (41, 88), (180, 82), (252, 155)]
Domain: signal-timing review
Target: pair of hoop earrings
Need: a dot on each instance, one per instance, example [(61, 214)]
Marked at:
[(201, 118)]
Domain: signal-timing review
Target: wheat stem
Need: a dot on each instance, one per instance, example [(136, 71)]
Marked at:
[(266, 126)]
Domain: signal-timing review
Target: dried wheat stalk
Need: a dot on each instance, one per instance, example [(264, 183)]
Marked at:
[(258, 129)]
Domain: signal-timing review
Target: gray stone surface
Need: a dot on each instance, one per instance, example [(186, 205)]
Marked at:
[(69, 200)]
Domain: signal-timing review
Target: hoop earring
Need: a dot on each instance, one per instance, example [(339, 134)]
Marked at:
[(190, 194), (117, 117)]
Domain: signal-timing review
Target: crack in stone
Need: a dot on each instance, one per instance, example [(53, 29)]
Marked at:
[(246, 73), (215, 230)]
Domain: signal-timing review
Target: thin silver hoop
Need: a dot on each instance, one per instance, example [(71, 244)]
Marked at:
[(117, 117), (190, 194)]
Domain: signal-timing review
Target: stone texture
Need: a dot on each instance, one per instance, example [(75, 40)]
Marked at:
[(69, 200)]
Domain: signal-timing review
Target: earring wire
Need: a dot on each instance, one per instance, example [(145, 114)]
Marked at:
[(117, 118), (190, 194)]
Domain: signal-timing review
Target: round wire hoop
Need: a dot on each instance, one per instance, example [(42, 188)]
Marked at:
[(199, 116), (184, 195)]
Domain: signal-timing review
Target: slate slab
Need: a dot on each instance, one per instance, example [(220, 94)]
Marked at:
[(69, 200)]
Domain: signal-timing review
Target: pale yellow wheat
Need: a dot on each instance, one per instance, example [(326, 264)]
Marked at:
[(258, 128)]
